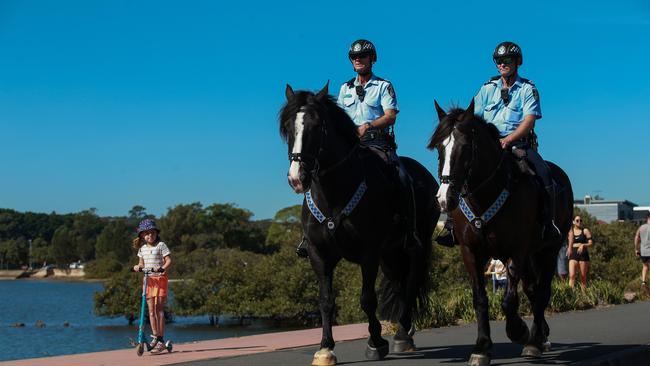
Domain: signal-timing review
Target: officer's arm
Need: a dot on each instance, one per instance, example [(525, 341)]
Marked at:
[(388, 119), (522, 131)]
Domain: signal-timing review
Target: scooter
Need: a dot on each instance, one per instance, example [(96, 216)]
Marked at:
[(142, 342)]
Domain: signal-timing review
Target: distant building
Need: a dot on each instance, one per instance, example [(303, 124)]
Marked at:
[(640, 214), (607, 210)]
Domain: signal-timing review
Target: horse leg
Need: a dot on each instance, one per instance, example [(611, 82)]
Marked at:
[(377, 347), (475, 265), (403, 339), (324, 271), (538, 291), (516, 328)]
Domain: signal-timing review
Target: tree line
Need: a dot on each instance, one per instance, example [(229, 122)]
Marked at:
[(226, 263)]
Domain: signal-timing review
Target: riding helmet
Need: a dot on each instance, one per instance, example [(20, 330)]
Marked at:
[(508, 49), (362, 46)]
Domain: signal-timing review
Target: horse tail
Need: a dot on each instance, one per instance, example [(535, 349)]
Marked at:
[(391, 289), (410, 269)]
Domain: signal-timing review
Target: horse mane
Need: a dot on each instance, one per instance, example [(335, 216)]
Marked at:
[(326, 108), (453, 118)]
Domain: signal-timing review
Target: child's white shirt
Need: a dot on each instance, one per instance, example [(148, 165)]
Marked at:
[(153, 256)]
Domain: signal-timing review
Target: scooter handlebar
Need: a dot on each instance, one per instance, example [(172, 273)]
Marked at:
[(149, 270)]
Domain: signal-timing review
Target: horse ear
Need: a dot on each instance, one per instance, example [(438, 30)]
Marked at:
[(323, 92), (288, 92), (470, 109), (469, 112), (441, 112)]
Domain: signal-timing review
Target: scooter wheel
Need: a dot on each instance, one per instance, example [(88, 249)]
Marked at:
[(139, 349), (169, 346)]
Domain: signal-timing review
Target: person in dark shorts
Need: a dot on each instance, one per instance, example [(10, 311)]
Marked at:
[(642, 247), (579, 241)]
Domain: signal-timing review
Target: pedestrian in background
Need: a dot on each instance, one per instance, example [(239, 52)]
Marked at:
[(579, 241), (642, 247)]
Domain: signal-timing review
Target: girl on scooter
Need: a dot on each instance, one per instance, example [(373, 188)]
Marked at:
[(154, 255)]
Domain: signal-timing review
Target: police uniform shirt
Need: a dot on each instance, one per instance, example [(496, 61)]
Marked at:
[(523, 100), (379, 95)]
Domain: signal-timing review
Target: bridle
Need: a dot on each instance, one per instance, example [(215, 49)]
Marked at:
[(304, 158), (465, 190)]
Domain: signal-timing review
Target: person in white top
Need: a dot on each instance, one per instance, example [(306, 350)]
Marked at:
[(154, 255), (498, 271)]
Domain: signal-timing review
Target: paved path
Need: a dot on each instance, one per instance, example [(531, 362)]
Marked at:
[(608, 336)]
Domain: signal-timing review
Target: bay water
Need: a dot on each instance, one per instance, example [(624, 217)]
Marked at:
[(55, 302)]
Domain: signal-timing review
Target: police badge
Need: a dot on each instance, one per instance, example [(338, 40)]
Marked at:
[(391, 91), (535, 94)]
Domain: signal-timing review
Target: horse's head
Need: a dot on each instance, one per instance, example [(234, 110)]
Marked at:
[(457, 139), (315, 129)]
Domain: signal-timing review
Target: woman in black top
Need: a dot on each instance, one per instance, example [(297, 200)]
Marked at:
[(579, 240)]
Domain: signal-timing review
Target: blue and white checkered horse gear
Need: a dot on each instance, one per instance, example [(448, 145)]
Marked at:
[(478, 221), (147, 224), (354, 201)]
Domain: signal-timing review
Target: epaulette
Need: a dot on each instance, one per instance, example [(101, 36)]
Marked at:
[(350, 83), (380, 79), (526, 81), (492, 79)]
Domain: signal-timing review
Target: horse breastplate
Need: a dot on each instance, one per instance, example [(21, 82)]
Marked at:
[(333, 222)]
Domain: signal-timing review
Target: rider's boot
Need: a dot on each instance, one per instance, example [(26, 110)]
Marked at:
[(551, 231), (301, 250), (447, 239)]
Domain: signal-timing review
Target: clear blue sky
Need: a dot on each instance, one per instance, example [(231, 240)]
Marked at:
[(109, 104)]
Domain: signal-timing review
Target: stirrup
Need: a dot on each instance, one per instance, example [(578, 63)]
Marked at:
[(551, 231), (301, 250), (447, 240)]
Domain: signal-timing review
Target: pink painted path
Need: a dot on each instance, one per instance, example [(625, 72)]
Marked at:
[(184, 352)]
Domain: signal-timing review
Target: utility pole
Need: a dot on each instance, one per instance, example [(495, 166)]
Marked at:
[(30, 254)]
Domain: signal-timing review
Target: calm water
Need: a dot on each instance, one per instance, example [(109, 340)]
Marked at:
[(54, 302)]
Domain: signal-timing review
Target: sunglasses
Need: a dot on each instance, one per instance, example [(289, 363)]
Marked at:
[(578, 220), (504, 60), (359, 55)]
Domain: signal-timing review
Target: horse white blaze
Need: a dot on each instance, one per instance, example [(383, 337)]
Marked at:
[(294, 168), (446, 170)]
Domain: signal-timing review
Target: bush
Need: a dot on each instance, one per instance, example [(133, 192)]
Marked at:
[(103, 268)]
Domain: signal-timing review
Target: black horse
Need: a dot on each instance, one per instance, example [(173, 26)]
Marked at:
[(495, 208), (351, 211)]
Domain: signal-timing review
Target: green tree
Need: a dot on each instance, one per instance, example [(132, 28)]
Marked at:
[(285, 229), (41, 252), (63, 246), (120, 297), (116, 240)]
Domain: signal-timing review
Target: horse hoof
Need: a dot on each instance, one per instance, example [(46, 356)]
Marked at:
[(403, 346), (546, 346), (478, 360), (324, 357), (376, 354), (531, 352)]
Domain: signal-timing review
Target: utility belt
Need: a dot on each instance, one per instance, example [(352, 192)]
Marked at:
[(526, 142), (383, 138)]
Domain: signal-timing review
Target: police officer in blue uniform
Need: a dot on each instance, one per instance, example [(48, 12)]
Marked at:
[(512, 104), (371, 103)]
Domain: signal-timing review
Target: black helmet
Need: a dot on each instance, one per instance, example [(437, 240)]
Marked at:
[(508, 49), (360, 47)]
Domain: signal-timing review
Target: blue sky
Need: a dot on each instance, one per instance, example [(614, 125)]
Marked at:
[(116, 103)]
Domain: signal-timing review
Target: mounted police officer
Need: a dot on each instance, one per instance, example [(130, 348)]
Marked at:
[(371, 103), (512, 104)]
